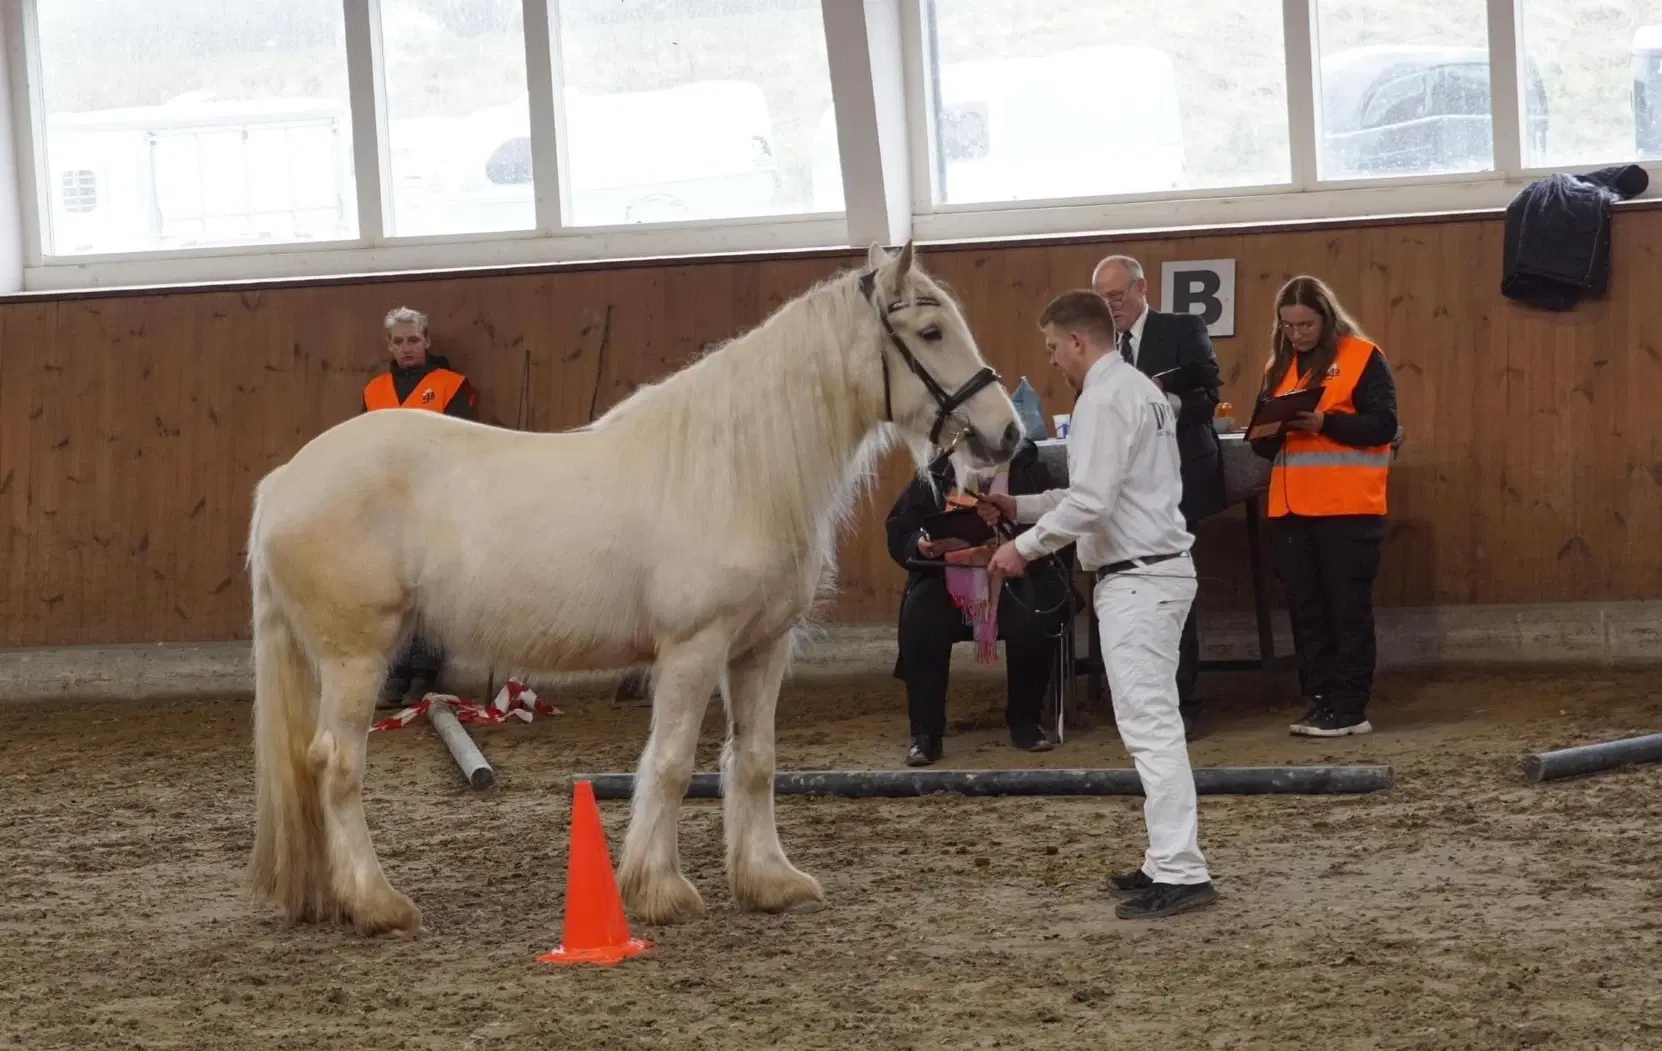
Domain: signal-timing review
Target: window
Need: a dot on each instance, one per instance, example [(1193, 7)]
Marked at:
[(1079, 98), (685, 126), (184, 123), (80, 191), (690, 109), (1402, 92), (458, 117), (1595, 97)]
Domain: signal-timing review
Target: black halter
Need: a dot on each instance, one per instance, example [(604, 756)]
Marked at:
[(945, 403)]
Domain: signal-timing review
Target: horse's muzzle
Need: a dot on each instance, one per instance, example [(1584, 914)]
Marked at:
[(999, 451)]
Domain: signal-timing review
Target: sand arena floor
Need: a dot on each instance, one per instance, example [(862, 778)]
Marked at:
[(1463, 909)]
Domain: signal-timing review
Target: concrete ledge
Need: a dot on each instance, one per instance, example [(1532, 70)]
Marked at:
[(1604, 634)]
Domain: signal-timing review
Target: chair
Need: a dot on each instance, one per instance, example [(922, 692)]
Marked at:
[(1064, 677)]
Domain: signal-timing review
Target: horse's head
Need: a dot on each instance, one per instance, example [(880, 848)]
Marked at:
[(936, 385)]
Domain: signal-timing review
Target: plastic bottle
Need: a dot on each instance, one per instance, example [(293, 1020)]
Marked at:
[(1026, 401), (1223, 421)]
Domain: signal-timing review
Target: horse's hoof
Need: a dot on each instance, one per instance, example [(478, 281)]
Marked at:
[(389, 913), (775, 888), (667, 899)]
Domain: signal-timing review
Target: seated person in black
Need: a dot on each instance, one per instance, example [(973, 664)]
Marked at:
[(1029, 617)]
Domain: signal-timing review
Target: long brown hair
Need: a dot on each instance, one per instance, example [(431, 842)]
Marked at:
[(1311, 292)]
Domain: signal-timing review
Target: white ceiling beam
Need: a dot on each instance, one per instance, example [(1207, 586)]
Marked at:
[(17, 168), (868, 94), (1304, 112), (546, 87), (366, 86), (1508, 113)]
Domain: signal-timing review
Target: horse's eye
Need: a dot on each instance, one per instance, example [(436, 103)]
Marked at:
[(932, 333)]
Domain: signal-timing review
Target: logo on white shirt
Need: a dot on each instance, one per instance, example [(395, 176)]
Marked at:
[(1164, 420)]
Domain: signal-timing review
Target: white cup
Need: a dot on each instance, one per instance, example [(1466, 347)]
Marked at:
[(1064, 423)]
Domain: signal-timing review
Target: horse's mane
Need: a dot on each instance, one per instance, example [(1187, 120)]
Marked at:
[(765, 423)]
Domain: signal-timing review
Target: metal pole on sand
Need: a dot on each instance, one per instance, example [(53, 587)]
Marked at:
[(475, 767)]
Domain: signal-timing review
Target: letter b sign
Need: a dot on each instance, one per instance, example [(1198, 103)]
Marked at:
[(1205, 287)]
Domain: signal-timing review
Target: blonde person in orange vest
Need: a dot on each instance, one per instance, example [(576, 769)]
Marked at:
[(416, 378), (1327, 497)]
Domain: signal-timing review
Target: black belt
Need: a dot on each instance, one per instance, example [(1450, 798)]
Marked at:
[(1135, 563)]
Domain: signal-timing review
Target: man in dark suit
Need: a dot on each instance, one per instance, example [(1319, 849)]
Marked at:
[(1156, 341)]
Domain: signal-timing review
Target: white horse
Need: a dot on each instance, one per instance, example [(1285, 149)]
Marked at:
[(691, 528)]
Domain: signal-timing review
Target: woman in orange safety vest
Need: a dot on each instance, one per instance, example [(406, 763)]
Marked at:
[(416, 378), (1327, 497)]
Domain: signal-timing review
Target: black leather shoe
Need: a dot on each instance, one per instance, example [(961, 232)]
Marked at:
[(1315, 711), (1332, 724), (1127, 884), (1030, 739), (925, 750), (1166, 899)]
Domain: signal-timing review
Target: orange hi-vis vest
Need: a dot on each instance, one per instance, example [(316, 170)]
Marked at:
[(1315, 475), (433, 392)]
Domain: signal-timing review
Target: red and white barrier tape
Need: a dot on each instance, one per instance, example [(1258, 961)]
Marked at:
[(515, 701)]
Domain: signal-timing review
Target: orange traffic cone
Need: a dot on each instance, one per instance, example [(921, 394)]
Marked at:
[(596, 931)]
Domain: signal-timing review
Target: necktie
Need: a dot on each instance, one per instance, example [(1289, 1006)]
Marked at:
[(1125, 346)]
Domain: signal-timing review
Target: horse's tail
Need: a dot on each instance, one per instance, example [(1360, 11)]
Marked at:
[(289, 862)]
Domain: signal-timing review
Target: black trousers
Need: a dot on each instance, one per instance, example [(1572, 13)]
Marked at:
[(930, 624), (1188, 655), (418, 660), (1327, 567)]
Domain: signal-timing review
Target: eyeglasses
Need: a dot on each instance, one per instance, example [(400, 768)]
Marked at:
[(1300, 326)]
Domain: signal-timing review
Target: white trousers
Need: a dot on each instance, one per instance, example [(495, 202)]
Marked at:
[(1141, 613)]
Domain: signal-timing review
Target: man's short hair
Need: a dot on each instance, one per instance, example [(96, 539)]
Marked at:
[(1132, 267), (406, 315), (1083, 311)]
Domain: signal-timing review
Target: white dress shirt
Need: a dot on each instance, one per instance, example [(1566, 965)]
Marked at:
[(1124, 476)]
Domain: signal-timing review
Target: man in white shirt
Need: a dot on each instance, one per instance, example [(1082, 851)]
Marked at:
[(1121, 508)]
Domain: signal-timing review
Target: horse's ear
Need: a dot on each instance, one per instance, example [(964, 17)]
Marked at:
[(904, 264), (876, 256)]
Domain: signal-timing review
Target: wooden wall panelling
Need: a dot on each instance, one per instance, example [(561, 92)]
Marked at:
[(133, 428), (23, 352), (211, 367), (143, 357), (196, 349), (1581, 497), (1543, 375), (479, 330), (578, 377), (1392, 282), (1503, 486), (20, 399), (1604, 420), (12, 431), (1635, 405), (1444, 420), (56, 576)]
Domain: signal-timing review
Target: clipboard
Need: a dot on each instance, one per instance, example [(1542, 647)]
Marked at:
[(1273, 413), (1181, 380)]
